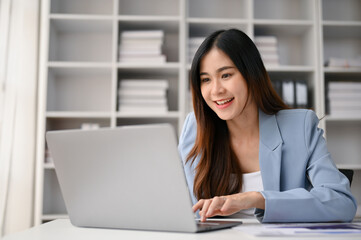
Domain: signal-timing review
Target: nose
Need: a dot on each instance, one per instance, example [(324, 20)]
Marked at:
[(217, 88)]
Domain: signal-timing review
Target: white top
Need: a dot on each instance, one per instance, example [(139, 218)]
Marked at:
[(250, 182)]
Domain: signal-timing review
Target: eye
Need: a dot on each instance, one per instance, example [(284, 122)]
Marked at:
[(226, 75), (204, 80)]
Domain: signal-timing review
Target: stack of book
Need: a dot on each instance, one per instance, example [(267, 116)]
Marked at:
[(193, 45), (268, 48), (344, 62), (141, 47), (143, 95), (344, 99), (293, 92)]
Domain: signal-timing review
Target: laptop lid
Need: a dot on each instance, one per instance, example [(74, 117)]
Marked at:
[(128, 177)]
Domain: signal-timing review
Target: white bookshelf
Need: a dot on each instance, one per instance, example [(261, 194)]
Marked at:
[(340, 37), (79, 71)]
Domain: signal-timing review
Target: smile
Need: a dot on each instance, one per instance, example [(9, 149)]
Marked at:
[(222, 102)]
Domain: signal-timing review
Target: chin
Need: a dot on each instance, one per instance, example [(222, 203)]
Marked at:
[(224, 117)]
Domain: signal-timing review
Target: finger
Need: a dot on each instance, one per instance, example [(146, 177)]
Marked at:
[(231, 206), (198, 205), (205, 209), (226, 208), (216, 206)]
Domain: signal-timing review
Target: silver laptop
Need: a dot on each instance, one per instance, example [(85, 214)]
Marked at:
[(128, 177)]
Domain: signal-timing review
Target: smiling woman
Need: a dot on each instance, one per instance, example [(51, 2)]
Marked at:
[(220, 83), (245, 150)]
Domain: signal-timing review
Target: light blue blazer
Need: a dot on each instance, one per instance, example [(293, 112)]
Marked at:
[(301, 182)]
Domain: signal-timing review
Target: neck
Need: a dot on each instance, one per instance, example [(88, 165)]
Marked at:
[(245, 125)]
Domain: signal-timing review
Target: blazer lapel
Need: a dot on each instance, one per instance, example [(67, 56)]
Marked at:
[(270, 151)]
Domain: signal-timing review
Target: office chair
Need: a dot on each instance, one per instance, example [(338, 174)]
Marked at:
[(348, 173)]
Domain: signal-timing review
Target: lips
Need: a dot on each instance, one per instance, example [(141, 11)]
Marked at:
[(224, 101)]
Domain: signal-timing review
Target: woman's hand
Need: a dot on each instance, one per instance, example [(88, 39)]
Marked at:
[(227, 205)]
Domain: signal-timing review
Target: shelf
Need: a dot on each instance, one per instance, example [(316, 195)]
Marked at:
[(342, 31), (104, 7), (78, 23), (343, 140), (342, 23), (53, 202), (342, 70), (286, 69), (82, 40), (283, 22), (83, 17), (78, 114), (50, 217), (171, 114), (217, 21), (330, 118), (301, 69), (70, 64), (203, 29), (349, 166), (345, 10), (283, 30), (283, 9), (126, 18), (76, 122), (168, 65), (149, 7), (49, 166), (149, 23), (79, 90), (218, 9), (81, 73)]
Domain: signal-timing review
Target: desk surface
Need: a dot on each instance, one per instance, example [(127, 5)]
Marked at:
[(62, 229)]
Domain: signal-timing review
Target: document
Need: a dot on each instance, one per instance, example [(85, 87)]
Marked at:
[(302, 229)]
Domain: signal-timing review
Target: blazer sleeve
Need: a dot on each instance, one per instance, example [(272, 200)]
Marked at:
[(329, 198), (186, 143)]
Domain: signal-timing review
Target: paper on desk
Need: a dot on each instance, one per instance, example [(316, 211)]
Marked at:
[(304, 229)]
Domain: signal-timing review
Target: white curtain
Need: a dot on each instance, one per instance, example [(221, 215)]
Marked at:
[(19, 30)]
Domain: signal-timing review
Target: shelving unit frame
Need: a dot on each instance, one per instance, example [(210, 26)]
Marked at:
[(79, 47)]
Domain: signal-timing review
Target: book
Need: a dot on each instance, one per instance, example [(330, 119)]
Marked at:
[(143, 101), (355, 62), (142, 109), (301, 94), (344, 86), (140, 52), (195, 41), (343, 62), (344, 104), (144, 83), (265, 41), (344, 95), (139, 34), (89, 126), (288, 93), (145, 59), (271, 50), (140, 43), (293, 92), (343, 113), (269, 57), (139, 93)]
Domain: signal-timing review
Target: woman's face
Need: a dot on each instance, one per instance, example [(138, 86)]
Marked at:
[(222, 85)]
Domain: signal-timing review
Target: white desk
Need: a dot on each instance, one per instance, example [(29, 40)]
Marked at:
[(62, 229)]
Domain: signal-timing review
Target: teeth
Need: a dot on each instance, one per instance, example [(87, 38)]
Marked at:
[(224, 101)]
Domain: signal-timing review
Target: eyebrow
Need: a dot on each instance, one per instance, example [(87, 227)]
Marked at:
[(218, 70)]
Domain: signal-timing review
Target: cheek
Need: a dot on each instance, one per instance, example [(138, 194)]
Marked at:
[(204, 92)]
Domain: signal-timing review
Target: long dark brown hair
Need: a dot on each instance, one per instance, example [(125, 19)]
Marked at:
[(218, 172)]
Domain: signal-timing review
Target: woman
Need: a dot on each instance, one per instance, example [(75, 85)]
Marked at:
[(243, 149)]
